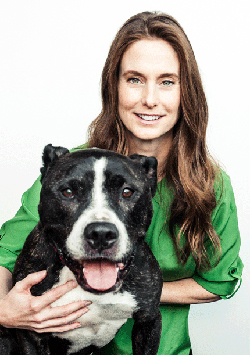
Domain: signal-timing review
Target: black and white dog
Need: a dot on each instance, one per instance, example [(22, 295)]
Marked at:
[(95, 208)]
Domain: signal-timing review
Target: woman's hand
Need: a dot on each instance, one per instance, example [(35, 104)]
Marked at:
[(19, 309)]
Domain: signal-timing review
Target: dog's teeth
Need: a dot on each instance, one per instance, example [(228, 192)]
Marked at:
[(120, 266)]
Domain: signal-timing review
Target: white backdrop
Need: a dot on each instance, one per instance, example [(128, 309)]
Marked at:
[(51, 57)]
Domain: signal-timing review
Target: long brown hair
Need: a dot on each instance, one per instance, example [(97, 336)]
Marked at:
[(189, 169)]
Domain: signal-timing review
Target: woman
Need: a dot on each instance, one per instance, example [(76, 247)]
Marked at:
[(153, 104)]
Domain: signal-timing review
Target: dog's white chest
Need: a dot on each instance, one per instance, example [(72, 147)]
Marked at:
[(107, 313)]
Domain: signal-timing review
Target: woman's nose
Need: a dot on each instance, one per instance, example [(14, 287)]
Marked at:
[(150, 97)]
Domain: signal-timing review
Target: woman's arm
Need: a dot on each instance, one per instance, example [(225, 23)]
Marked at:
[(186, 291), (19, 309)]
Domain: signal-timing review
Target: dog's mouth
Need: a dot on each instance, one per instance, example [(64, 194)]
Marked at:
[(97, 275), (100, 275)]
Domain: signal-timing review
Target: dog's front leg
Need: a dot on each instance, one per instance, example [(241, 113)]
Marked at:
[(146, 334), (31, 343)]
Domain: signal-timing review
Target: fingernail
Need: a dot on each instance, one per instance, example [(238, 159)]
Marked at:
[(87, 303), (84, 310)]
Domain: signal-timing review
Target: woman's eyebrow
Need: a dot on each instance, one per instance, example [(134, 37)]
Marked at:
[(169, 75), (132, 72)]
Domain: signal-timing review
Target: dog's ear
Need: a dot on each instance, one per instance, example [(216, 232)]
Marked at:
[(149, 165), (50, 155)]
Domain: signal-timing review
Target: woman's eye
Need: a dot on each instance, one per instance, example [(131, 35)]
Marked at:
[(134, 80), (167, 83), (127, 192), (68, 193)]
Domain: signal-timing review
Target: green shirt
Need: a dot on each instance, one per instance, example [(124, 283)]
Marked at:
[(221, 280)]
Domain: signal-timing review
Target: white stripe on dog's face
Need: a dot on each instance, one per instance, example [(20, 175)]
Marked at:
[(97, 196), (98, 211)]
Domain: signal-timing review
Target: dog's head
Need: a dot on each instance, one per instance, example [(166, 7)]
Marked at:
[(95, 206)]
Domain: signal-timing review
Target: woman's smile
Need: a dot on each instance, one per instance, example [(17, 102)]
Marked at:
[(148, 117)]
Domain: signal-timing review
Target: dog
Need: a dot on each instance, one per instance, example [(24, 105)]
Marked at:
[(95, 208)]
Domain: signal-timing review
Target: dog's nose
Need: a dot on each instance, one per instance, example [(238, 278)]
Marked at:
[(101, 235)]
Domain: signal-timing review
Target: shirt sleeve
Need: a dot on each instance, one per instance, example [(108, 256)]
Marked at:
[(15, 231), (224, 279)]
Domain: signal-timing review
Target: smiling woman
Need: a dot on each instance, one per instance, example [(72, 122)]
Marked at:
[(149, 92), (154, 104)]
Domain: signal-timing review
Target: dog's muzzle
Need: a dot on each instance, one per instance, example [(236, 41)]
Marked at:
[(98, 272)]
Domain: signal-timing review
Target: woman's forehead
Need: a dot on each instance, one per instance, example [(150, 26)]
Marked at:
[(150, 55)]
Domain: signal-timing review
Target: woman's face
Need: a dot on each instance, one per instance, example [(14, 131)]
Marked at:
[(149, 89)]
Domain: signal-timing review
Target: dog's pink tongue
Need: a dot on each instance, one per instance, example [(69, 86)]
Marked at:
[(101, 275)]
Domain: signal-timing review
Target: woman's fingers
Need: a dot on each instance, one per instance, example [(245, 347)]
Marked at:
[(61, 313), (59, 329), (57, 323), (64, 311), (30, 280), (40, 302)]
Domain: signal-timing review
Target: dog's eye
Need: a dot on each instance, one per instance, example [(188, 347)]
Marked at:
[(127, 192), (68, 193)]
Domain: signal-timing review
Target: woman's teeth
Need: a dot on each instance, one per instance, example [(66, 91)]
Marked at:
[(148, 118)]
